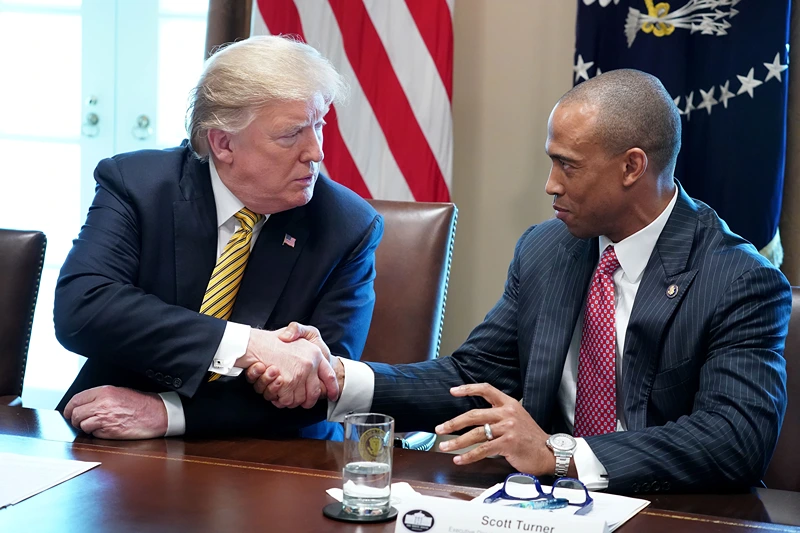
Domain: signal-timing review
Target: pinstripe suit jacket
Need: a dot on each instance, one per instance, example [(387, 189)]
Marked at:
[(703, 384)]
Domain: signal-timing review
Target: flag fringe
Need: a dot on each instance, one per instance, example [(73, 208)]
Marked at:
[(774, 250)]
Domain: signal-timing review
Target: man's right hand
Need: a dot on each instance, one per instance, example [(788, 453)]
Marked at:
[(300, 370), (266, 379)]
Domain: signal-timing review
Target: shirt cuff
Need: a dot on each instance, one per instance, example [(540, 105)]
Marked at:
[(232, 346), (176, 421), (590, 470), (357, 392)]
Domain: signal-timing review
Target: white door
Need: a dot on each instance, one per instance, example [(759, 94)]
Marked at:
[(81, 80), (159, 59)]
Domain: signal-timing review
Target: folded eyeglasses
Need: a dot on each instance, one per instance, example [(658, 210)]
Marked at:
[(528, 492)]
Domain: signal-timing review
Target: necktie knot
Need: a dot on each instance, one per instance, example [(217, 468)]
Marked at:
[(608, 262), (247, 218)]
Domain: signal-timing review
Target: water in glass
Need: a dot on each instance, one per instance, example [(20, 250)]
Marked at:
[(367, 487)]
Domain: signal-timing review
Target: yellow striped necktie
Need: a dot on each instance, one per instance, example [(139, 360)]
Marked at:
[(227, 276)]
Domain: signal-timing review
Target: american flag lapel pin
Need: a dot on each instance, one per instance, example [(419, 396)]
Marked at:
[(288, 240)]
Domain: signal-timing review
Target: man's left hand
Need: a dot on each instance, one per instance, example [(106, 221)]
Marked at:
[(515, 435), (118, 413)]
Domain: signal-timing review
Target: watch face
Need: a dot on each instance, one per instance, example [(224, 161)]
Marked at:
[(560, 441)]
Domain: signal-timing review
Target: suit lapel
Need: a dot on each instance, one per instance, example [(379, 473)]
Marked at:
[(654, 306), (563, 297), (195, 222), (269, 266)]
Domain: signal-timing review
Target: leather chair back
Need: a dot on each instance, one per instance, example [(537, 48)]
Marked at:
[(21, 262), (784, 469), (412, 266)]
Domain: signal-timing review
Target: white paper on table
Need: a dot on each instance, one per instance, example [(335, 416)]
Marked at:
[(25, 476), (614, 510), (399, 491)]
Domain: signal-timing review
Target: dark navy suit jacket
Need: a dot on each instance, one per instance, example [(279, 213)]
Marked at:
[(129, 292), (703, 382)]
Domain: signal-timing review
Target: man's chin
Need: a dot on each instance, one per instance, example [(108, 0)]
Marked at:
[(580, 233), (298, 199), (305, 196)]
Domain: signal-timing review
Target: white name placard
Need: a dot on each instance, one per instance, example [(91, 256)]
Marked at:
[(427, 514)]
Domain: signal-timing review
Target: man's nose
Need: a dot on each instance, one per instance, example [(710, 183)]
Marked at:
[(553, 187), (312, 151)]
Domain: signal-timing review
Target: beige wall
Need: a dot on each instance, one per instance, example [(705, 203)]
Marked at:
[(513, 60)]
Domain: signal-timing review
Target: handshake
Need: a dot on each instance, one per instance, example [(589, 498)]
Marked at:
[(292, 366)]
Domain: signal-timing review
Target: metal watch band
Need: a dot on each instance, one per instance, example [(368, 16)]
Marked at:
[(562, 465)]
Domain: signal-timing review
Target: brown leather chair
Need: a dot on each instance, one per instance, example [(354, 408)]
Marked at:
[(21, 261), (784, 469), (412, 266)]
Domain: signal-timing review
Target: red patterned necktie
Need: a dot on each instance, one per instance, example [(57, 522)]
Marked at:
[(596, 399)]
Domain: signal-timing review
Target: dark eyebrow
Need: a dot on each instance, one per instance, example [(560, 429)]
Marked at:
[(561, 157)]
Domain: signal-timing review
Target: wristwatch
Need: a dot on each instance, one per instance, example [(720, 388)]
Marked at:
[(563, 447)]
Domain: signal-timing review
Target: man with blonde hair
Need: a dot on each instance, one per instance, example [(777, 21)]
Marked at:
[(193, 259)]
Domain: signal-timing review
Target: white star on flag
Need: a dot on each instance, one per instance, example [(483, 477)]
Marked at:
[(725, 94), (748, 83), (581, 68), (775, 68), (603, 3), (598, 72), (678, 105), (708, 100), (689, 106)]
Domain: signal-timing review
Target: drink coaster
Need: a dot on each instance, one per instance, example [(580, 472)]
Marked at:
[(335, 511)]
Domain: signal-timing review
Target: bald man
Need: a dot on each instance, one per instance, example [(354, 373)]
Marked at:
[(638, 344)]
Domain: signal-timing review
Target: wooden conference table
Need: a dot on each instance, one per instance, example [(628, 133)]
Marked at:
[(255, 485)]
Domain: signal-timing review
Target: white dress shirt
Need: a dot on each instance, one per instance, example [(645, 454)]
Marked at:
[(234, 341), (633, 254)]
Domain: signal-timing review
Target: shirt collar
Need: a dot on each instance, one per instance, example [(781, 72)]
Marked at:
[(227, 204), (634, 252)]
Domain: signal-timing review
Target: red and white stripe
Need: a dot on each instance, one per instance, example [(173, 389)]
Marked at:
[(394, 137)]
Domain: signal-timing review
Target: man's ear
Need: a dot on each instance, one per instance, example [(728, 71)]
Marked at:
[(634, 166), (219, 143)]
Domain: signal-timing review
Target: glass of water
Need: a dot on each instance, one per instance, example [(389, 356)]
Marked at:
[(367, 474)]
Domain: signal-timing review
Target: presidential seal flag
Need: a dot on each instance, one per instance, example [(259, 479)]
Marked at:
[(393, 139), (724, 62)]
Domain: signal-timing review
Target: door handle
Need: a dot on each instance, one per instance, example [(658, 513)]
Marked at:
[(142, 129), (89, 128)]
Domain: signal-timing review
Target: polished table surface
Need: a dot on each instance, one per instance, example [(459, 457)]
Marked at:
[(258, 485)]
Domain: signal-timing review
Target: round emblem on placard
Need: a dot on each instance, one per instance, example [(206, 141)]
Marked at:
[(371, 444), (672, 291), (418, 520)]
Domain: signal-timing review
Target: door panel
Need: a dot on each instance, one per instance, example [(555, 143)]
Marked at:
[(77, 74)]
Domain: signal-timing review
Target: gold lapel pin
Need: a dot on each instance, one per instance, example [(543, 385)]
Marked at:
[(672, 291)]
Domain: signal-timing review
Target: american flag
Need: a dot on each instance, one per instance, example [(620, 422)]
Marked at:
[(289, 241), (394, 138)]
